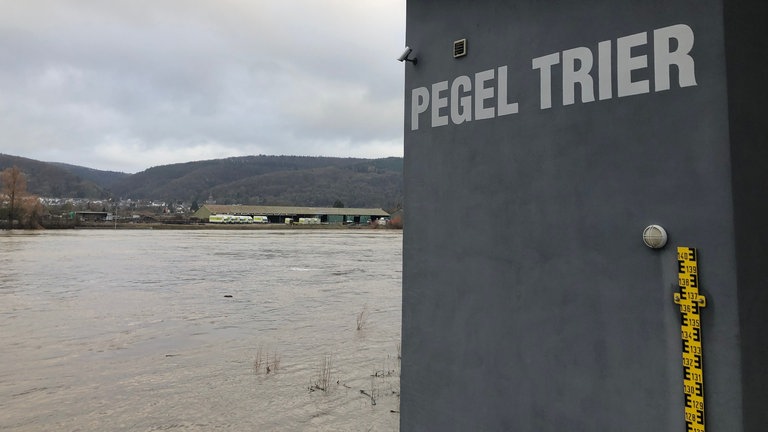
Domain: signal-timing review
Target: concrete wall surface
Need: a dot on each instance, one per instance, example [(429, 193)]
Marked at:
[(532, 166)]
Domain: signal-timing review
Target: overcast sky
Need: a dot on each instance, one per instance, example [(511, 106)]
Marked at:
[(125, 85)]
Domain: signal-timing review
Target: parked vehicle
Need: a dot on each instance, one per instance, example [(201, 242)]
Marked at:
[(216, 218), (230, 219)]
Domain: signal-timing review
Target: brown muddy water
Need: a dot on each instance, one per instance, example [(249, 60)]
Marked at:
[(163, 330)]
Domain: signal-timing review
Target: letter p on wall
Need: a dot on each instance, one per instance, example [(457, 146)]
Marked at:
[(419, 104)]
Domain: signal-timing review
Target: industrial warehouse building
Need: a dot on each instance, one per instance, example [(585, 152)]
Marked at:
[(278, 214)]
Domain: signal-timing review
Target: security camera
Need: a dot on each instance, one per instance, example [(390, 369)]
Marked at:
[(405, 54)]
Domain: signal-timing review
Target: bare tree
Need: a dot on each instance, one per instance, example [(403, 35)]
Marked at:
[(15, 188), (31, 212)]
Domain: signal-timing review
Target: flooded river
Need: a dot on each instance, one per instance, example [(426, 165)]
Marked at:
[(200, 330)]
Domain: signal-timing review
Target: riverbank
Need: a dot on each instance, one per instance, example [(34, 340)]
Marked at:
[(208, 226)]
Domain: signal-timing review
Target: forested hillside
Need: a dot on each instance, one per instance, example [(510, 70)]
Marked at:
[(374, 183), (53, 180), (266, 180), (104, 179)]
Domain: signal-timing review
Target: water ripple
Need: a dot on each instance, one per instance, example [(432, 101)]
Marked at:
[(160, 330)]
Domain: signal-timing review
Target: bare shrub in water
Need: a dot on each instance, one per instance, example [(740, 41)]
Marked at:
[(263, 358), (273, 364), (323, 379), (374, 392), (258, 360), (362, 318)]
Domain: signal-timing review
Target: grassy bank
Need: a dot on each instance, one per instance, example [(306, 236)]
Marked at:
[(243, 227)]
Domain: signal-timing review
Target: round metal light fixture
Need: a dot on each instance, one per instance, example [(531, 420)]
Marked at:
[(654, 236)]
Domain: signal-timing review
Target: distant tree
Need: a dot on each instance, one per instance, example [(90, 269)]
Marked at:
[(22, 207), (194, 207), (31, 212), (338, 204), (14, 188)]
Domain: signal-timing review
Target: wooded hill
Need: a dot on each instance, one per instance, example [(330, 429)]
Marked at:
[(254, 180), (60, 180)]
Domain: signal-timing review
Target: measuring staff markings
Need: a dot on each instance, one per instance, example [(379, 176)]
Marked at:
[(691, 302), (486, 94)]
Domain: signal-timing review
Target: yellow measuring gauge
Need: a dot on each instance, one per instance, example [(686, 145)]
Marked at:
[(691, 302)]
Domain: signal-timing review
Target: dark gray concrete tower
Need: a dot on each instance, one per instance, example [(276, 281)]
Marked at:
[(541, 139)]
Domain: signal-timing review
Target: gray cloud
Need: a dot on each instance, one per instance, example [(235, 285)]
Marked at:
[(125, 85)]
